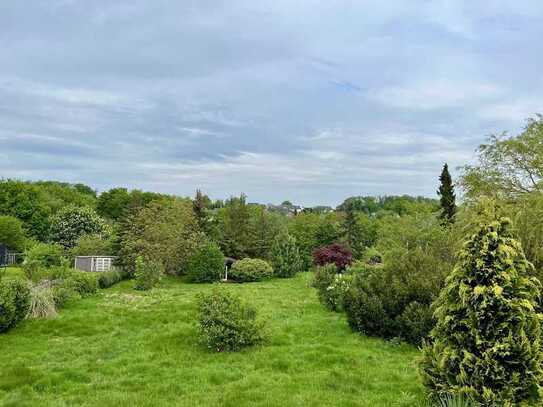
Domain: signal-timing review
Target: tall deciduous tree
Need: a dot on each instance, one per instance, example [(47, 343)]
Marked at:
[(235, 240), (508, 166), (447, 196), (487, 341)]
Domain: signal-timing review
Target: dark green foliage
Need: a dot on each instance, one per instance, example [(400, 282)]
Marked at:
[(12, 233), (331, 286), (235, 227), (286, 258), (446, 196), (206, 264), (200, 205), (108, 278), (148, 273), (353, 233), (25, 201), (487, 341), (369, 307), (72, 222), (247, 269), (14, 302), (227, 323), (393, 299), (415, 322)]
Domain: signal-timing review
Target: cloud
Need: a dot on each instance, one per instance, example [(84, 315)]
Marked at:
[(308, 100)]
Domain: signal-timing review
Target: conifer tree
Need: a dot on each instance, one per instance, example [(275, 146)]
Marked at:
[(447, 196), (199, 206), (286, 258), (486, 344), (353, 232)]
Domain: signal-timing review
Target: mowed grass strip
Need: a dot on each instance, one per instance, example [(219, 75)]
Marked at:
[(128, 348)]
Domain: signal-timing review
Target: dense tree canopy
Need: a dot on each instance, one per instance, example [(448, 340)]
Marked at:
[(508, 166)]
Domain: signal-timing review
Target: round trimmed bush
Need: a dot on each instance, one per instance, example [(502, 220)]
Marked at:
[(206, 265), (227, 323), (247, 269), (14, 302)]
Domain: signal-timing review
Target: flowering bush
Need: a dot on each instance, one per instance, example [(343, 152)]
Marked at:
[(334, 253), (70, 223), (331, 286)]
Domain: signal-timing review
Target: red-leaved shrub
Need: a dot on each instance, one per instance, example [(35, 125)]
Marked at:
[(334, 253)]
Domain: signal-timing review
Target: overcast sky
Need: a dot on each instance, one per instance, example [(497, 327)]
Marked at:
[(311, 101)]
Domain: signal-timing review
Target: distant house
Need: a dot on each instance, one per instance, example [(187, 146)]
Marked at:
[(94, 263)]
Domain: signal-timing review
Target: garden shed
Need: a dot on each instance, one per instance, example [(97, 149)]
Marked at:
[(94, 263), (3, 254)]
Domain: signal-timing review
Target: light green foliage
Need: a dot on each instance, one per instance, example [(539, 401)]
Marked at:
[(331, 286), (139, 338), (508, 166), (247, 269), (34, 202), (12, 233), (206, 264), (25, 202), (92, 245), (487, 341), (313, 230), (82, 282), (14, 302), (148, 274), (42, 256), (227, 323), (286, 258), (165, 231)]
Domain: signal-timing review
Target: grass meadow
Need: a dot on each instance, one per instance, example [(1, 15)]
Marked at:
[(127, 348)]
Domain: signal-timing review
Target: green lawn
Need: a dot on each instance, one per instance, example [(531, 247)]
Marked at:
[(128, 348)]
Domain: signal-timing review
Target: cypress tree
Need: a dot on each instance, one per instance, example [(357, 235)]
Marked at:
[(447, 196), (353, 232), (486, 344), (199, 206)]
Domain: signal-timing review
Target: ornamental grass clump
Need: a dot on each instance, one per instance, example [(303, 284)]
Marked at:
[(227, 323), (487, 341)]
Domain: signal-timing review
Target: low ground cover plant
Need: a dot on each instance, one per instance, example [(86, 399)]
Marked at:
[(226, 323), (247, 270), (206, 264), (14, 302)]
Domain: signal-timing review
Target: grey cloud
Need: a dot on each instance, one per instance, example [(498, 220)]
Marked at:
[(308, 100)]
